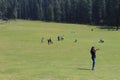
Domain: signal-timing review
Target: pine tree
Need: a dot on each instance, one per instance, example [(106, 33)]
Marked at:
[(15, 11), (40, 10), (90, 13), (0, 9), (57, 11), (51, 11), (4, 9), (68, 11)]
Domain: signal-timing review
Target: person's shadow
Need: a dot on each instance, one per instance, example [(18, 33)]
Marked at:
[(83, 69)]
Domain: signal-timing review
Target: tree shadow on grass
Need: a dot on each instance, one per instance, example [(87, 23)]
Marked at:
[(83, 69)]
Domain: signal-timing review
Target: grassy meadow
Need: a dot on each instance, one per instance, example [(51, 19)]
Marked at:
[(24, 57)]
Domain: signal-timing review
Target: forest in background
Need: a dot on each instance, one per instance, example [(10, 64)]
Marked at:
[(96, 12)]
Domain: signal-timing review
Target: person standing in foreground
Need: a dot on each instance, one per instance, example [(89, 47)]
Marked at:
[(93, 56)]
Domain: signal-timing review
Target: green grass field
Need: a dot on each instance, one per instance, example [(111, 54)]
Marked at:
[(24, 57)]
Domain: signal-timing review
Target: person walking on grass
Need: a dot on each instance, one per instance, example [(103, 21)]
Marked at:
[(93, 56)]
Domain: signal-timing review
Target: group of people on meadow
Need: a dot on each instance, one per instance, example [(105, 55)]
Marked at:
[(61, 38), (50, 41)]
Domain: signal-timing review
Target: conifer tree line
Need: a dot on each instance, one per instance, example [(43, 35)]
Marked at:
[(105, 12)]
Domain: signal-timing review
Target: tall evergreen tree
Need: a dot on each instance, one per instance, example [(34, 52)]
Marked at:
[(112, 11), (4, 9), (57, 11), (50, 11), (90, 13), (68, 11), (83, 11), (40, 9), (63, 10), (0, 9), (74, 11)]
